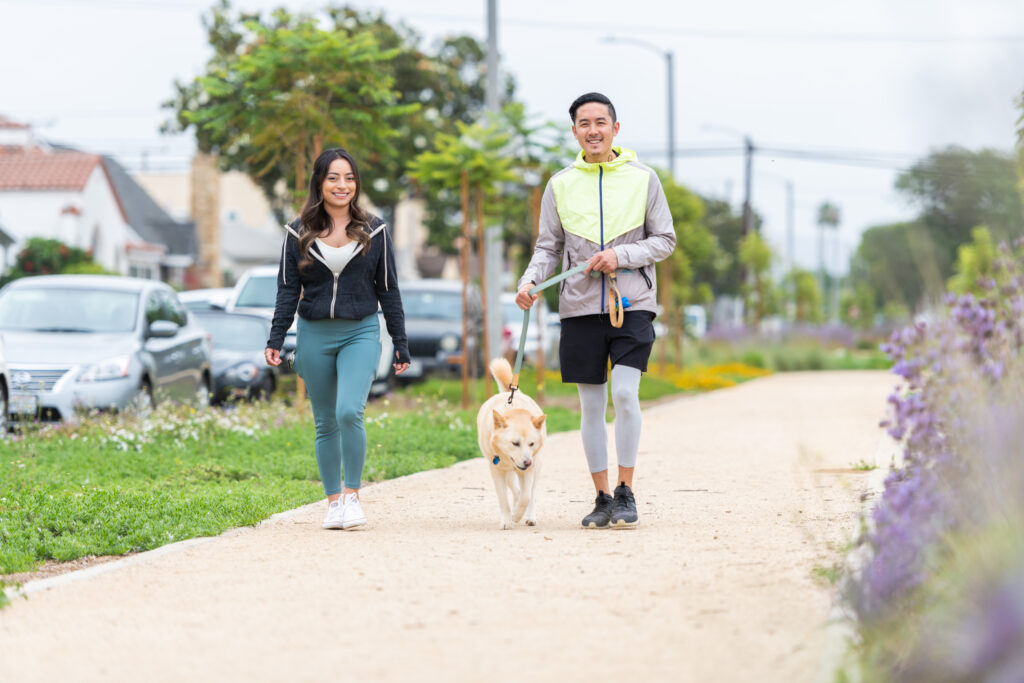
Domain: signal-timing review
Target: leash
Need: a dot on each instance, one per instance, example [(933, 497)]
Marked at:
[(616, 312)]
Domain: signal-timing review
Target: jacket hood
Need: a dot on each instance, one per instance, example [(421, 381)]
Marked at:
[(624, 157)]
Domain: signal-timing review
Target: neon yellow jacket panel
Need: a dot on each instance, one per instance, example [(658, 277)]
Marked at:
[(588, 207)]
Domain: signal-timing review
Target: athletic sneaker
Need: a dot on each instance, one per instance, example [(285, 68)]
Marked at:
[(624, 507), (335, 515), (598, 519), (353, 515)]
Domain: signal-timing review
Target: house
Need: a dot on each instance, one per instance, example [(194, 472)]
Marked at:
[(88, 201)]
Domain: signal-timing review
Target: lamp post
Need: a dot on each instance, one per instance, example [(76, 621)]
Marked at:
[(669, 90)]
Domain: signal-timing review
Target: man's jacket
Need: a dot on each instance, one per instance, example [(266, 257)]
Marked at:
[(352, 295), (590, 207)]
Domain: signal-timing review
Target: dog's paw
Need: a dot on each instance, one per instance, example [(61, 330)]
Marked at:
[(531, 521), (505, 524)]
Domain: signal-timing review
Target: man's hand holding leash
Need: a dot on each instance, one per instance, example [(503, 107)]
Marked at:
[(603, 261), (523, 298)]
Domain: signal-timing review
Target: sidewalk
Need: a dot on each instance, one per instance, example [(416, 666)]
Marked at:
[(742, 493)]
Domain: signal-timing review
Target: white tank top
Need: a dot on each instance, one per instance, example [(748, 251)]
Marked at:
[(337, 257)]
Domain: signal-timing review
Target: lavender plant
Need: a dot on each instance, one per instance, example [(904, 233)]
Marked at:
[(947, 536)]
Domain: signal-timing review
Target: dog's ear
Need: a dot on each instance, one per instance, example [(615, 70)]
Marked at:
[(538, 421), (499, 420)]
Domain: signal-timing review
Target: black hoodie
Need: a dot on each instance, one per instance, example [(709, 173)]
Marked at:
[(367, 280)]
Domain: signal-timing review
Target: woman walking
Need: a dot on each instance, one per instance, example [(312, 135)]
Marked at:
[(341, 262)]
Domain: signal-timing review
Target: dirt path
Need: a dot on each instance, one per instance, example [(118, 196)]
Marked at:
[(742, 493)]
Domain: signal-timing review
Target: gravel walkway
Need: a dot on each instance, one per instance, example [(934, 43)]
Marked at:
[(742, 493)]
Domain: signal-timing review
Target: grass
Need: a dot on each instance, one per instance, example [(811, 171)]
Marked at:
[(115, 484)]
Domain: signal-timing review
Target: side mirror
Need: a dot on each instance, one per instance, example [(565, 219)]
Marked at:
[(163, 329)]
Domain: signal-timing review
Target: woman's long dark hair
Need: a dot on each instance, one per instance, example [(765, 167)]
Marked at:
[(315, 219)]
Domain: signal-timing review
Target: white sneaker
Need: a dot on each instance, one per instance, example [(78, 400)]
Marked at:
[(335, 515), (352, 514)]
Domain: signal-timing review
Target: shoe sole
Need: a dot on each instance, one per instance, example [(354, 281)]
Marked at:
[(332, 525), (594, 526), (353, 524), (623, 524)]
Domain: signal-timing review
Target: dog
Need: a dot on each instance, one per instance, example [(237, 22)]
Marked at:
[(510, 438)]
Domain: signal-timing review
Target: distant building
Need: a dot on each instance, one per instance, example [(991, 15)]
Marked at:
[(88, 201)]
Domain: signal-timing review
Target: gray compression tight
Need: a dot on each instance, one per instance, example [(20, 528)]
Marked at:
[(594, 403)]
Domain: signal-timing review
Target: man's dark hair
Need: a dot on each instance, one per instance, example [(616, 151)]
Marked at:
[(588, 98)]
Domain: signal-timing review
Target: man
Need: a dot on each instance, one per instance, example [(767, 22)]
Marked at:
[(609, 211)]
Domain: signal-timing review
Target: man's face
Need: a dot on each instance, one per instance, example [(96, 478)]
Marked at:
[(595, 131)]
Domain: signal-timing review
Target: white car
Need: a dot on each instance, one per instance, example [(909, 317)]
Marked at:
[(256, 292), (205, 299)]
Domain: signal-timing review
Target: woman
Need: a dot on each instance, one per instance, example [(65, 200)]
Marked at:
[(341, 260)]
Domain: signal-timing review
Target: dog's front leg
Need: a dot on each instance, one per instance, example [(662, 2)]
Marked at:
[(501, 489), (524, 502)]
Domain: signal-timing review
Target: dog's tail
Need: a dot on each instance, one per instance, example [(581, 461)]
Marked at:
[(501, 371)]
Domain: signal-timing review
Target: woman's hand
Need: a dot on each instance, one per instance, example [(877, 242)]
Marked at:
[(398, 366), (273, 356)]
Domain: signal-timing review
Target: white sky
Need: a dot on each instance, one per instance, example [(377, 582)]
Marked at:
[(900, 77)]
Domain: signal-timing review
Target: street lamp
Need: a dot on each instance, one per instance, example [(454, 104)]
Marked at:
[(670, 90), (748, 151)]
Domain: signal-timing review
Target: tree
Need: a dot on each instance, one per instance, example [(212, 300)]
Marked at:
[(975, 262), (897, 263), (956, 190), (808, 304), (759, 295), (723, 275)]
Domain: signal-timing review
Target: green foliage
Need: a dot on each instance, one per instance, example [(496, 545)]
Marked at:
[(278, 88), (955, 190), (759, 296), (974, 262), (42, 256), (723, 275), (857, 308), (803, 289)]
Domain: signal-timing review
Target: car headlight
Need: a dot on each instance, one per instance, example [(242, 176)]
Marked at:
[(244, 371), (111, 368), (449, 342)]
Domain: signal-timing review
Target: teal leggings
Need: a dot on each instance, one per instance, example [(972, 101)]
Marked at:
[(337, 359)]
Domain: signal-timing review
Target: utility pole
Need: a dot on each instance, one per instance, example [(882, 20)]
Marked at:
[(671, 113), (492, 235), (748, 214), (790, 244)]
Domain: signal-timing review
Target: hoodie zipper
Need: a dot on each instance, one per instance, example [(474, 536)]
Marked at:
[(600, 204), (334, 294)]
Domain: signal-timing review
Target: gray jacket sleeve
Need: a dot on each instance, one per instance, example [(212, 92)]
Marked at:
[(660, 233), (550, 242)]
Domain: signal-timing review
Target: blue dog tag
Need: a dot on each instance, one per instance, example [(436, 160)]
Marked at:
[(496, 460)]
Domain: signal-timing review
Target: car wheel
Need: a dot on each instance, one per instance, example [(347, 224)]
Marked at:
[(143, 401), (264, 389), (203, 393)]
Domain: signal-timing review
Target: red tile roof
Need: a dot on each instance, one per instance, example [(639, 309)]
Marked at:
[(8, 123), (36, 169)]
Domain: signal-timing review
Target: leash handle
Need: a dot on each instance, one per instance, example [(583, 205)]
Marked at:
[(616, 309)]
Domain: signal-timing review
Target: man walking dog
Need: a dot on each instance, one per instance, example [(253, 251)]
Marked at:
[(609, 211)]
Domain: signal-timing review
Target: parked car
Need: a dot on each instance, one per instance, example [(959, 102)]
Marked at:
[(239, 368), (80, 342), (5, 384), (433, 323), (206, 299), (512, 330), (256, 292)]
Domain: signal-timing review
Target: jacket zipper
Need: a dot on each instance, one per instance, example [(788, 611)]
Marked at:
[(334, 294), (643, 271), (600, 204), (568, 259)]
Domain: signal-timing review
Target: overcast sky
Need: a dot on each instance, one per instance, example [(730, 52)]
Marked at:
[(888, 80)]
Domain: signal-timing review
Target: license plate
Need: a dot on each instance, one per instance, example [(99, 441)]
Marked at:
[(24, 404)]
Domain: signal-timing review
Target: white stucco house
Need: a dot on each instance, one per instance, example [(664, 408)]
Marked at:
[(87, 200)]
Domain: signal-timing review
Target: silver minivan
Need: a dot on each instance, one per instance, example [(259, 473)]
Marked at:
[(82, 342)]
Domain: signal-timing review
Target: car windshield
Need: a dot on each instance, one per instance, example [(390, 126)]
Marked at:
[(69, 310), (258, 292), (235, 332), (432, 305)]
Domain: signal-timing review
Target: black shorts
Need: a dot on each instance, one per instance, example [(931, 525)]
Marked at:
[(589, 341)]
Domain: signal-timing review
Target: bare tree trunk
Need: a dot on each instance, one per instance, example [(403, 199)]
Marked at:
[(464, 260), (481, 257)]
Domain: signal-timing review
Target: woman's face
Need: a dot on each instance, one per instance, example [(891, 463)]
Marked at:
[(339, 186)]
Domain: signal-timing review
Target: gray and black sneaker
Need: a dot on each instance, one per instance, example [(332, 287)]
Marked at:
[(599, 518), (624, 507)]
